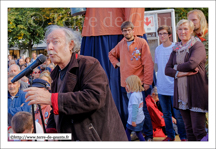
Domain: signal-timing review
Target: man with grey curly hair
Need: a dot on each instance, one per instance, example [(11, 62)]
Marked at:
[(80, 95), (69, 35)]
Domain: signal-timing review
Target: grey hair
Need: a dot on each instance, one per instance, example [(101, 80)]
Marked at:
[(190, 24), (15, 65), (69, 35), (12, 75), (154, 90), (36, 69), (12, 61)]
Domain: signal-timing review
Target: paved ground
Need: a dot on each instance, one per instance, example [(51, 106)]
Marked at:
[(161, 138)]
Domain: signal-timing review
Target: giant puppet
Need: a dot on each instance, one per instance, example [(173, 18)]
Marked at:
[(101, 33)]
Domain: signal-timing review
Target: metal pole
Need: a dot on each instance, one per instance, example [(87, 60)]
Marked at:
[(42, 118), (30, 78)]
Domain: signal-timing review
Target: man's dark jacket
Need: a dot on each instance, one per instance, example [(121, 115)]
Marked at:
[(86, 107)]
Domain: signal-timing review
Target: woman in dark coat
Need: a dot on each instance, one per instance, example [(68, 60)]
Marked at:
[(187, 65)]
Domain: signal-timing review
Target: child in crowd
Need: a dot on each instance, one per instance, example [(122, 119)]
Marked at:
[(157, 119), (155, 111), (135, 107), (22, 123)]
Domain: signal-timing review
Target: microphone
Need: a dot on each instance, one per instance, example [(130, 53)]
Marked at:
[(28, 70)]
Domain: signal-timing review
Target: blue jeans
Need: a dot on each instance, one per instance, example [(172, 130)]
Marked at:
[(166, 103), (147, 127)]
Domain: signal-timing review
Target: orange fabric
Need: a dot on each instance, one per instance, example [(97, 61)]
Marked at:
[(107, 21), (136, 16), (44, 109), (142, 67)]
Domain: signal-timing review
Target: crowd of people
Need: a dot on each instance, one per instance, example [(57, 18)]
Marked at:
[(76, 97), (40, 77)]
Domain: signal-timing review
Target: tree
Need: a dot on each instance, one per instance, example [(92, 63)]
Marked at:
[(26, 26), (62, 17), (181, 13)]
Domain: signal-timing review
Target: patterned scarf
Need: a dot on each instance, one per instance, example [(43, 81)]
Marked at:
[(179, 47)]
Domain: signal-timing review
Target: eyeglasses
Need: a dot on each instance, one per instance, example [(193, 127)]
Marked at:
[(37, 72), (160, 34), (125, 31)]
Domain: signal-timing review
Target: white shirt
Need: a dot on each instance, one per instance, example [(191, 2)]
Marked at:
[(165, 84), (39, 130), (136, 98)]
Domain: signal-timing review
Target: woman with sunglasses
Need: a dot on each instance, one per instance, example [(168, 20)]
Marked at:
[(36, 73)]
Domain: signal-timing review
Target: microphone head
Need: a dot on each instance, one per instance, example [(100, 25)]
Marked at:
[(42, 58), (28, 70)]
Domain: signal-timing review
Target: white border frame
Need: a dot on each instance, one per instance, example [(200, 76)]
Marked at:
[(137, 144)]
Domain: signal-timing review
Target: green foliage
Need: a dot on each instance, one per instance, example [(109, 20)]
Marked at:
[(62, 17), (181, 13), (26, 26), (206, 47)]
